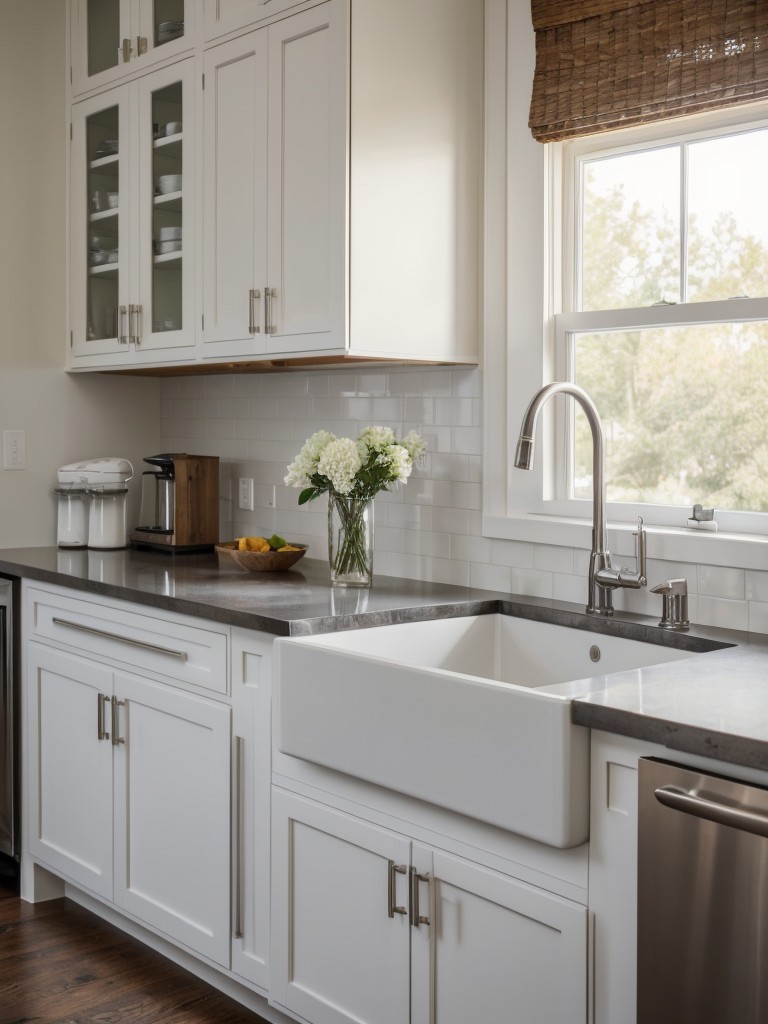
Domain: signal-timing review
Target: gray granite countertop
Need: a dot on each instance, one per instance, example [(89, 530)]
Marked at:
[(714, 704)]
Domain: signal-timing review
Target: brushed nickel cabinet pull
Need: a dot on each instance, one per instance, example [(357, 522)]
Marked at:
[(126, 50), (415, 917), (122, 333), (102, 733), (392, 870), (269, 294), (253, 316), (135, 323), (237, 814), (141, 45), (156, 648), (117, 739)]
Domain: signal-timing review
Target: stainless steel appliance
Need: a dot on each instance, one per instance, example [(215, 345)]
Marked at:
[(702, 898), (9, 725)]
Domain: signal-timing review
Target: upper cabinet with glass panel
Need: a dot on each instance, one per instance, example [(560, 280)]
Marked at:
[(114, 38)]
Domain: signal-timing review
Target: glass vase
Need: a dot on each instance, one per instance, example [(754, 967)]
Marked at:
[(350, 541)]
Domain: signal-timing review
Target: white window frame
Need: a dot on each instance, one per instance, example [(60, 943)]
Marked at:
[(524, 289)]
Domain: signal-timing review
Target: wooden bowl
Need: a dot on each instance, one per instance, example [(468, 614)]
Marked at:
[(259, 561)]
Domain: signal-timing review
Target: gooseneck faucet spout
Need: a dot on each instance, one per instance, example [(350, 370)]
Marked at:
[(603, 578)]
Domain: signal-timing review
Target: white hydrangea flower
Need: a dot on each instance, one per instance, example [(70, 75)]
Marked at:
[(415, 444), (304, 465), (375, 437), (340, 460), (398, 460)]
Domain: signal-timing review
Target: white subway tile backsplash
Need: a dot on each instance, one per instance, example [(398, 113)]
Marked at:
[(717, 581), (758, 617), (553, 559), (514, 553), (470, 549), (757, 585), (468, 440), (466, 495), (715, 611), (430, 528)]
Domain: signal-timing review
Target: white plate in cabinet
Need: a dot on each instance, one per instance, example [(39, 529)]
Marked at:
[(374, 928), (128, 784)]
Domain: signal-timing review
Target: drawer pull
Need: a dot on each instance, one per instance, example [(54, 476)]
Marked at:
[(156, 648)]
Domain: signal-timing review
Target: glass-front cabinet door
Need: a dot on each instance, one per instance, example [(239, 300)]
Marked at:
[(132, 230), (113, 38), (167, 206), (100, 229)]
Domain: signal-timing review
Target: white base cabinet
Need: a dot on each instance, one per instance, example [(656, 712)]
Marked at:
[(127, 776), (371, 926), (131, 799)]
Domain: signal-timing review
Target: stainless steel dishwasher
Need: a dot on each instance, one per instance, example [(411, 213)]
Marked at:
[(702, 898)]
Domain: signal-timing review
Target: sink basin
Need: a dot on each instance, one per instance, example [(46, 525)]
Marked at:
[(472, 714)]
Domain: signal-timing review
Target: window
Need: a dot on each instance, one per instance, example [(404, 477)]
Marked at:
[(556, 308), (665, 321)]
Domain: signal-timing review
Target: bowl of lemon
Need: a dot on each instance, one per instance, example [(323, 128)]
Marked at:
[(260, 554)]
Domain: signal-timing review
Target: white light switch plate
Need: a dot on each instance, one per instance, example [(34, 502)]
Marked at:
[(14, 453), (245, 493)]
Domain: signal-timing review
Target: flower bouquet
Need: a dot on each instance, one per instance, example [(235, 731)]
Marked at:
[(352, 472)]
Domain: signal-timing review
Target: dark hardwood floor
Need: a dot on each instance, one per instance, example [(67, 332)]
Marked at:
[(59, 964)]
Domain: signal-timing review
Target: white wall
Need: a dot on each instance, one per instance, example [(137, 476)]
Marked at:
[(65, 417)]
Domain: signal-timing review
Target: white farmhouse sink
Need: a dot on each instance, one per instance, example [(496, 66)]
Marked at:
[(472, 714)]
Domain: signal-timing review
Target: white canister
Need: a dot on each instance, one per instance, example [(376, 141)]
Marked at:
[(72, 520), (107, 517)]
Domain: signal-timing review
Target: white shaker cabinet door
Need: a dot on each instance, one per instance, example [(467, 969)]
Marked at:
[(70, 767), (307, 182), (172, 793), (338, 957), (504, 952), (235, 197)]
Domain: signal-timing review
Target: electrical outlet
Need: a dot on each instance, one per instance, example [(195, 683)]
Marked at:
[(14, 449), (245, 493)]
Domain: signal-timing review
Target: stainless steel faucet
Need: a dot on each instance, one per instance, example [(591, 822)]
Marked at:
[(603, 577)]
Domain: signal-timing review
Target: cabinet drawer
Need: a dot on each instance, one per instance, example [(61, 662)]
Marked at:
[(180, 648)]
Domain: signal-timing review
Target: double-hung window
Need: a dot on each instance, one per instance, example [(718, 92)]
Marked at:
[(664, 321)]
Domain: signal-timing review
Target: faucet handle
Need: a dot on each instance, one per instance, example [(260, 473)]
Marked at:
[(639, 536), (674, 613)]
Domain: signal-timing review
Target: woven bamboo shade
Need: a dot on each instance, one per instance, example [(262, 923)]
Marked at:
[(603, 64)]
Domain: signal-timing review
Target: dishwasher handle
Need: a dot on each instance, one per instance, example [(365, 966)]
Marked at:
[(722, 814)]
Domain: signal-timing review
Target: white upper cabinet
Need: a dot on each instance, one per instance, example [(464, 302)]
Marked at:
[(132, 221), (221, 16), (274, 189), (114, 38), (340, 210)]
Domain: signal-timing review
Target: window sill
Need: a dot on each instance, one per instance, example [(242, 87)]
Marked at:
[(672, 544)]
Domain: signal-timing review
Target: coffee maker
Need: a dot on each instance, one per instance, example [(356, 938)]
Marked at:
[(179, 503)]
